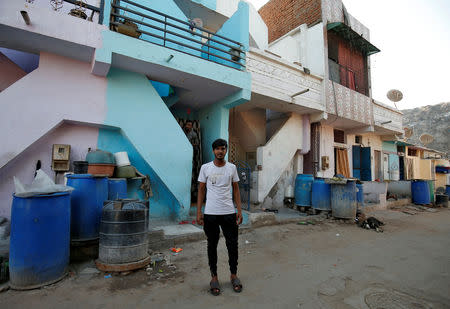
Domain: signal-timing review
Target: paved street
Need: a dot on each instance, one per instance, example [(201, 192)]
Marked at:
[(331, 265)]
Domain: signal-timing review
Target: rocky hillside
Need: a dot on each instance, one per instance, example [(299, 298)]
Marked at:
[(431, 119)]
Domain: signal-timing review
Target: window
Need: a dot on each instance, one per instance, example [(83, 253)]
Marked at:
[(412, 152), (339, 136), (358, 139)]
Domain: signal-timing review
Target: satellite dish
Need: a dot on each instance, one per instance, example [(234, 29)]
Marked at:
[(408, 132), (394, 95), (425, 139)]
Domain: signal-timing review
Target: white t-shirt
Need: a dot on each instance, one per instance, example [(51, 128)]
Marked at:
[(219, 200)]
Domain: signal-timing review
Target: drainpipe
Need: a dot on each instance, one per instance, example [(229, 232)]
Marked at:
[(306, 135)]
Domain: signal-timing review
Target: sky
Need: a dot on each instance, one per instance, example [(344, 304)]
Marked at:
[(414, 39)]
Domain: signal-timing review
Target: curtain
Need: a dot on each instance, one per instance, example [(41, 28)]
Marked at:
[(342, 165)]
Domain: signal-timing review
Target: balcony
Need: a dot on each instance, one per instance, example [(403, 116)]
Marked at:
[(387, 120), (354, 79), (141, 22), (281, 85)]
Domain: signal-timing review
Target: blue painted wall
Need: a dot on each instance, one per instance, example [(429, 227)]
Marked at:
[(163, 204), (214, 121), (134, 106), (389, 146), (236, 28)]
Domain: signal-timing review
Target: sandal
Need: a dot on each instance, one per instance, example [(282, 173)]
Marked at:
[(237, 286), (214, 288)]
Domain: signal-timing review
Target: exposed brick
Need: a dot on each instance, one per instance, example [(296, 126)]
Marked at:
[(281, 16)]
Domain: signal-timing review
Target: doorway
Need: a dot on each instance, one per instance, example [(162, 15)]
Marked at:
[(377, 155), (362, 163), (385, 166)]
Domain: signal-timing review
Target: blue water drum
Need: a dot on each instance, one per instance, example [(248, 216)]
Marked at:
[(447, 190), (117, 188), (302, 191), (359, 194), (321, 195), (420, 192), (40, 240), (343, 200), (86, 204)]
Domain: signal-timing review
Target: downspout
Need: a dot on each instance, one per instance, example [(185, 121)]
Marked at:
[(306, 135)]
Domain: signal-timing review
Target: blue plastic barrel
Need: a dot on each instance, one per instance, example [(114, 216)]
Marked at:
[(302, 190), (40, 239), (343, 200), (117, 188), (359, 194), (420, 192), (87, 203), (321, 195), (447, 190)]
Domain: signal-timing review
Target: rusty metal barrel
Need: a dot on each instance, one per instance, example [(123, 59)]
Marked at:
[(123, 235)]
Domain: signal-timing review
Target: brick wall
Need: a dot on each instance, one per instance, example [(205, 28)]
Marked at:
[(281, 16)]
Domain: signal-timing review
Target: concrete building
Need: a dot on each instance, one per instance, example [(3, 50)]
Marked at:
[(101, 85), (326, 41)]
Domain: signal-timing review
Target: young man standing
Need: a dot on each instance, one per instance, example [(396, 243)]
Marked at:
[(219, 179)]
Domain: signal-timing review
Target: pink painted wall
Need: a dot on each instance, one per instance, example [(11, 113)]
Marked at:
[(79, 137), (9, 72), (59, 89)]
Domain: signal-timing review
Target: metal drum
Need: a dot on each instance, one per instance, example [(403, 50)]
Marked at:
[(303, 187), (343, 200), (420, 192), (321, 195), (117, 188), (123, 233), (40, 239), (442, 200), (359, 195), (86, 204)]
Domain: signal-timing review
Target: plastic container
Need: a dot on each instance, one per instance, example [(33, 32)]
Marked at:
[(125, 172), (303, 187), (80, 167), (40, 239), (420, 190), (122, 158), (343, 200), (442, 200), (86, 204), (117, 188), (106, 170), (321, 195), (447, 190), (100, 157), (431, 188), (359, 194)]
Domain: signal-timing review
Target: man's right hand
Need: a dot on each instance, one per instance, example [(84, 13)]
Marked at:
[(200, 219)]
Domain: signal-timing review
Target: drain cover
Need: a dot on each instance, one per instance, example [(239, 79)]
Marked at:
[(394, 300)]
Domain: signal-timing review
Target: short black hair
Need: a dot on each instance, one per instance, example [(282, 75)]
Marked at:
[(187, 121), (219, 143)]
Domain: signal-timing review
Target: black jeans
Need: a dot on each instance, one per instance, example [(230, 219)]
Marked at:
[(230, 232)]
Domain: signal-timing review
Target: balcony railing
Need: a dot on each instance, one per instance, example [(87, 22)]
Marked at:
[(350, 78), (133, 19)]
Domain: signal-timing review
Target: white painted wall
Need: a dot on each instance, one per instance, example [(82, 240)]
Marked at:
[(249, 127), (276, 155), (304, 45), (326, 149), (79, 137), (257, 27)]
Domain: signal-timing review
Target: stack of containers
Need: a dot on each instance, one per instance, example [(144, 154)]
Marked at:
[(101, 163), (124, 168)]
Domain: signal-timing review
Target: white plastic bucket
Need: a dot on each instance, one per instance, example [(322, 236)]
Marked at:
[(122, 159)]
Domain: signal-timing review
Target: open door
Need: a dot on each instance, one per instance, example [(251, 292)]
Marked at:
[(362, 163)]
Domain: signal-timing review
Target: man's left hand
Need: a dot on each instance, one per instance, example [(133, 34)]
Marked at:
[(239, 218)]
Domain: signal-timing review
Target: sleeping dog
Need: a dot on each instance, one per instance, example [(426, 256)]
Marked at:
[(369, 223)]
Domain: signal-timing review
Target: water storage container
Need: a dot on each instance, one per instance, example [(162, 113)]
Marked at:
[(87, 202), (117, 188), (303, 185), (359, 194), (447, 190), (343, 200), (123, 233), (420, 192), (122, 158), (321, 195), (40, 239)]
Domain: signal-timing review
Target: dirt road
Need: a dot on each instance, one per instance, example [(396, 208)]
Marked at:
[(331, 265)]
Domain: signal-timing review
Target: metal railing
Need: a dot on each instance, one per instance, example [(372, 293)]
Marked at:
[(91, 8), (161, 29), (348, 77)]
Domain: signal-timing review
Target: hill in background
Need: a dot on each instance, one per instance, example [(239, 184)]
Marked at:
[(431, 119)]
